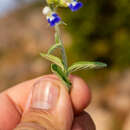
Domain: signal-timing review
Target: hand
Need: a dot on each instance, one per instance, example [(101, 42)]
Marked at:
[(44, 104)]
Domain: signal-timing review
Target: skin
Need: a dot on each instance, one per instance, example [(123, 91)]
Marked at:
[(13, 103)]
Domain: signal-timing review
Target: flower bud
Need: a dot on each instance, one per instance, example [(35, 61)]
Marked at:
[(61, 3), (46, 10)]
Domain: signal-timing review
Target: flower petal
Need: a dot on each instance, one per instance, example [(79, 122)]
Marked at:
[(53, 19), (76, 6)]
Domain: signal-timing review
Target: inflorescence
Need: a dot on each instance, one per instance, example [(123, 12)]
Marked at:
[(53, 18)]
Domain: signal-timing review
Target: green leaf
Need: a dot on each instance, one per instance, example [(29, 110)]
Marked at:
[(53, 48), (57, 70), (85, 65), (53, 59)]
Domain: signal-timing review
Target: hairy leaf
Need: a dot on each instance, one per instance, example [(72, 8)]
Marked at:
[(53, 48), (57, 70), (85, 65), (53, 59)]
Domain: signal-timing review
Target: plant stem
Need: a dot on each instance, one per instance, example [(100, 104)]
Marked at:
[(64, 57)]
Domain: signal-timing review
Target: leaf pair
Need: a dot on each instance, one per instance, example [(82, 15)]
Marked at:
[(59, 70)]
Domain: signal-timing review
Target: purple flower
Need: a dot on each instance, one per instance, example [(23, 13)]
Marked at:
[(75, 5)]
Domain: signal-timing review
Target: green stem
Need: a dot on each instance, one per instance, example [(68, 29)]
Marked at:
[(64, 57)]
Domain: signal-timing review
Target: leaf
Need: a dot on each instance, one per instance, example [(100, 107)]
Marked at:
[(53, 59), (53, 48), (57, 70), (85, 65)]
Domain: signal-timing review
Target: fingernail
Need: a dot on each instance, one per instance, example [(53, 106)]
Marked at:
[(44, 95)]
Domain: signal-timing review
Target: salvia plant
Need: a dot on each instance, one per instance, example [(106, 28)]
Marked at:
[(60, 66)]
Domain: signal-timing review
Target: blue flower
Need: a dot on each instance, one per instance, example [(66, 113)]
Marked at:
[(53, 19), (51, 16), (75, 5)]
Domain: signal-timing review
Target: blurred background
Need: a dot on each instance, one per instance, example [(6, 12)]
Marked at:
[(100, 31)]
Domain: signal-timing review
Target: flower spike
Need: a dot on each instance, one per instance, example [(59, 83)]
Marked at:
[(74, 5), (51, 16)]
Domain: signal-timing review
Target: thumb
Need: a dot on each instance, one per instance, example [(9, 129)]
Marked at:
[(48, 108)]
